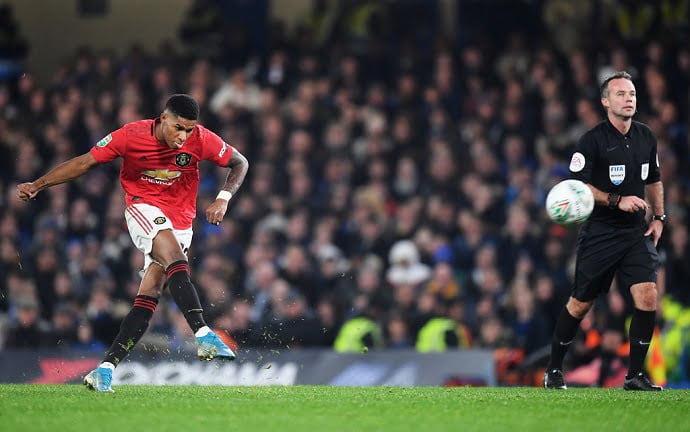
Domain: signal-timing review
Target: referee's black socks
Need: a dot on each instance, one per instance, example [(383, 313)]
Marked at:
[(641, 331), (132, 328), (563, 336), (184, 293)]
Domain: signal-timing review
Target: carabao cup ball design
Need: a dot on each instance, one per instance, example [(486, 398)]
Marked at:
[(569, 202)]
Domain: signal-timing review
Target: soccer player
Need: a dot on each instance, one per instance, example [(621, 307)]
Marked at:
[(160, 176), (618, 160)]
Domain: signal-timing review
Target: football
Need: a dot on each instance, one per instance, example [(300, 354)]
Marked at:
[(569, 202)]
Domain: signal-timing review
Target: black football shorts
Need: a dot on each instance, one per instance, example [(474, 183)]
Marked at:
[(603, 250)]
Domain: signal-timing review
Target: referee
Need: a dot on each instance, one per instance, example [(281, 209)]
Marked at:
[(618, 160)]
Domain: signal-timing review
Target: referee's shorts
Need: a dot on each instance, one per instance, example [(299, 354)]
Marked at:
[(603, 250)]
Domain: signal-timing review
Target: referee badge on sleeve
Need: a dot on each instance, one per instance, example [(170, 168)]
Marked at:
[(617, 174), (577, 163), (645, 171)]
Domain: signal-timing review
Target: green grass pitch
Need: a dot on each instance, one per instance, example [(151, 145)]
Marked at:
[(320, 408)]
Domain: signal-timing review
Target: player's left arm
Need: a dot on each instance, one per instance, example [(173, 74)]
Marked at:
[(239, 166), (655, 195)]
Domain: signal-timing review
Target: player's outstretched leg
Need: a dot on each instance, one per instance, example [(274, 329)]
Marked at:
[(132, 329), (209, 345)]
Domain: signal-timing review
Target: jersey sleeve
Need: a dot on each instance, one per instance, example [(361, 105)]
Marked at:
[(215, 149), (110, 147), (654, 169), (582, 160)]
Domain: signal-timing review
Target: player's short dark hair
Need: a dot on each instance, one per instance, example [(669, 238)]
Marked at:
[(604, 89), (184, 106)]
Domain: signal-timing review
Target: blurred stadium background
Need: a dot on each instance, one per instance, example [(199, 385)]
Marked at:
[(400, 152)]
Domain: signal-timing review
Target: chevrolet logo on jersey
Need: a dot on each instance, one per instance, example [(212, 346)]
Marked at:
[(162, 174)]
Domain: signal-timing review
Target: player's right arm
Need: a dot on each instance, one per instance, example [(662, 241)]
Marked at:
[(110, 147), (66, 171)]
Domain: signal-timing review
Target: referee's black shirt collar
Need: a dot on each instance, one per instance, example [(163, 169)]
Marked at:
[(618, 133)]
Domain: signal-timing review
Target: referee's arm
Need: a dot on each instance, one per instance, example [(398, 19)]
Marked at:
[(628, 203), (655, 193)]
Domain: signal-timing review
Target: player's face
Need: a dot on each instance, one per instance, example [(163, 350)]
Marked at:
[(176, 130), (622, 99)]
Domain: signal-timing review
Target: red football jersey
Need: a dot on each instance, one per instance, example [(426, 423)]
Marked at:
[(155, 174)]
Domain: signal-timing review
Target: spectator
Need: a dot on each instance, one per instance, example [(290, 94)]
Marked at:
[(28, 330), (64, 330), (101, 316), (406, 267), (236, 92), (86, 341), (296, 325), (443, 283), (397, 332)]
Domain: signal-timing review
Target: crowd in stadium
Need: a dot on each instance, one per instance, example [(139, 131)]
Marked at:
[(398, 176)]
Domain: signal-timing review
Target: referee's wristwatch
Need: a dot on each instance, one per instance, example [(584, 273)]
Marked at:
[(614, 200), (661, 218)]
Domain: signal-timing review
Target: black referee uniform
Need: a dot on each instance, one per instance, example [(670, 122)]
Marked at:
[(613, 240)]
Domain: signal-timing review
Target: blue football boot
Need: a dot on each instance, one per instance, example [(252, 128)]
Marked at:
[(210, 346), (99, 379)]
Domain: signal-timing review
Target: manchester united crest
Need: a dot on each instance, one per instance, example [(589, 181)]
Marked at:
[(183, 159)]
